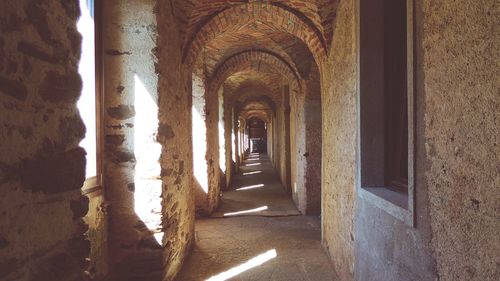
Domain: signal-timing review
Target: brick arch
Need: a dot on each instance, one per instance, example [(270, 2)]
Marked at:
[(263, 115), (285, 20), (243, 60), (247, 111)]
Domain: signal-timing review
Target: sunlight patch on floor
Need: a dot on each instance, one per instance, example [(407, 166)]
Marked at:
[(250, 187), (252, 263), (263, 208), (252, 173)]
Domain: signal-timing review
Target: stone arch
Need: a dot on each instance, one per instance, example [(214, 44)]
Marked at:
[(285, 20), (243, 60)]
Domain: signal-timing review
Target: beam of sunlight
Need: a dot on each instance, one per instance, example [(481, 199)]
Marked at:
[(253, 164), (250, 187), (222, 140), (233, 146), (263, 208), (253, 158), (87, 102), (252, 263), (199, 132), (252, 173), (147, 194)]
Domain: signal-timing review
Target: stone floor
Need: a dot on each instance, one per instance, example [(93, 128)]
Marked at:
[(256, 190), (271, 244)]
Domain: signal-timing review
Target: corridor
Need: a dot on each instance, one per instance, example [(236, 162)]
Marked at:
[(193, 140), (257, 234)]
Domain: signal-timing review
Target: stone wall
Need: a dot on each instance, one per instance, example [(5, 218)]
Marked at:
[(456, 173), (41, 166), (229, 135), (175, 135), (313, 140), (338, 77), (98, 234), (297, 149), (130, 99), (212, 157), (458, 82)]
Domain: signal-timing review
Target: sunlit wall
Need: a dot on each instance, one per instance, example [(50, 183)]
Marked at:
[(199, 134), (147, 195)]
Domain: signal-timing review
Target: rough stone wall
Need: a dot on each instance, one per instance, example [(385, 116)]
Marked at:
[(283, 138), (98, 235), (313, 139), (41, 166), (297, 147), (456, 178), (205, 145), (229, 133), (130, 93), (339, 143), (212, 157), (459, 85), (365, 242), (175, 135)]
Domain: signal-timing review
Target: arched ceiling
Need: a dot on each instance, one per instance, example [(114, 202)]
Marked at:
[(250, 64), (254, 83), (257, 106), (296, 33), (282, 23), (256, 36), (195, 13)]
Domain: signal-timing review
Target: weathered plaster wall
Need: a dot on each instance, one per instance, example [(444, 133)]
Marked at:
[(205, 132), (283, 138), (339, 143), (365, 242), (313, 140), (212, 157), (229, 136), (456, 178), (175, 135), (131, 168), (297, 148), (458, 83), (41, 166)]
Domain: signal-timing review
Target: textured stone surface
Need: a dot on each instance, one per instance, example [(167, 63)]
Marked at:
[(339, 143), (132, 184), (459, 63), (41, 231), (223, 244), (262, 55), (175, 102)]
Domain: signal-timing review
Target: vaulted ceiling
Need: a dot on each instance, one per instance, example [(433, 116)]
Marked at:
[(297, 32)]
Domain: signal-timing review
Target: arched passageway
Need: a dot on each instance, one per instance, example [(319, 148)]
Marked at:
[(249, 140)]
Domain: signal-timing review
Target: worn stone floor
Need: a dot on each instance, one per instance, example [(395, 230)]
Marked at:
[(273, 244), (256, 190)]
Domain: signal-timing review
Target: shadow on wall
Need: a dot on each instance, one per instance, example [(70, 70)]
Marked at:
[(141, 243)]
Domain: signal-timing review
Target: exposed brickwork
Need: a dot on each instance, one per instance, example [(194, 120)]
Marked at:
[(244, 60), (277, 17), (320, 13)]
